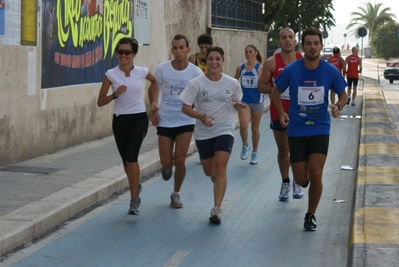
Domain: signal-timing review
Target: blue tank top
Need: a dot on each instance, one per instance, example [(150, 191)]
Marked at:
[(249, 85)]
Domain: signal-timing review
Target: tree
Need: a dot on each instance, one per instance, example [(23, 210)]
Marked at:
[(298, 15), (370, 17), (385, 41)]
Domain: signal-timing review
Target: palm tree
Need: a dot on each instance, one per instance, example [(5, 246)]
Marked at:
[(370, 17)]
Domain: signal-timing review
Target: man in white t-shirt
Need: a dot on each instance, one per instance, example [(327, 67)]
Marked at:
[(174, 128)]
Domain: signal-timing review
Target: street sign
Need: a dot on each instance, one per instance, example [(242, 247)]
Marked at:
[(362, 32), (325, 35)]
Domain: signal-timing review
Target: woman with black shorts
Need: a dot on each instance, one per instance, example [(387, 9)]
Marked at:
[(130, 120)]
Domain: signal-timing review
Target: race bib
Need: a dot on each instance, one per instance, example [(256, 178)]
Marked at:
[(249, 82), (310, 95)]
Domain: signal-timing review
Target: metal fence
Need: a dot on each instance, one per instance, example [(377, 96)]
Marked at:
[(238, 14)]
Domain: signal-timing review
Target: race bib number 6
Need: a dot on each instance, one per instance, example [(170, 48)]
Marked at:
[(310, 95)]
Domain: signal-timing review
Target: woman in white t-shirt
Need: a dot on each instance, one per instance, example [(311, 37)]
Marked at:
[(215, 97), (130, 120)]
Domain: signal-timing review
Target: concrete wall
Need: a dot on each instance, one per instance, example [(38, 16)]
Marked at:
[(43, 121)]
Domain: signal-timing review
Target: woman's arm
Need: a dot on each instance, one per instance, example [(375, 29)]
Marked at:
[(103, 98), (189, 111)]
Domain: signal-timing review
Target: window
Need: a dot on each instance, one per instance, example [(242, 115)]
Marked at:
[(238, 14)]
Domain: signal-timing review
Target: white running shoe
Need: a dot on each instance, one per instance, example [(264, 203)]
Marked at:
[(298, 192), (215, 215), (245, 151), (285, 191), (254, 158)]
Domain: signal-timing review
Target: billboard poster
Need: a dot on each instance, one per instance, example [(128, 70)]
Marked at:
[(79, 38)]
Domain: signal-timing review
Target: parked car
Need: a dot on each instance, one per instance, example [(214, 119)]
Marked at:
[(327, 52), (391, 72)]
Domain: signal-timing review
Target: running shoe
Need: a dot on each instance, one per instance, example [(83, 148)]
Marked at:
[(297, 190), (285, 191), (215, 215), (167, 173), (353, 103), (245, 152), (349, 101), (175, 201), (254, 158), (134, 207), (310, 222)]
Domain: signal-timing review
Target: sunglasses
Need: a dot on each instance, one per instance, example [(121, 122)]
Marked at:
[(125, 52)]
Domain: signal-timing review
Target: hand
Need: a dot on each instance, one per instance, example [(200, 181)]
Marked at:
[(334, 110), (208, 121), (284, 120), (239, 104), (121, 89), (155, 118), (154, 107)]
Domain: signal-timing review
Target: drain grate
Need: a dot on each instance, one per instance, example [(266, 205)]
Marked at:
[(39, 170)]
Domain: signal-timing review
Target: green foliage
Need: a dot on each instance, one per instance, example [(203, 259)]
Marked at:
[(371, 17), (385, 42), (298, 15)]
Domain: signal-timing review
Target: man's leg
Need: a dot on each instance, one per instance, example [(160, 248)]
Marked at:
[(316, 165), (182, 144), (283, 158), (165, 149), (349, 94)]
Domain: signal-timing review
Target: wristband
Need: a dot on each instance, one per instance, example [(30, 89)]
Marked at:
[(339, 107), (114, 96)]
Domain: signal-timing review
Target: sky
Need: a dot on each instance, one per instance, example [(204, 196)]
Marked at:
[(342, 16)]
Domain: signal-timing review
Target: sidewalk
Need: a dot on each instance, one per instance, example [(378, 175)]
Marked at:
[(39, 194), (374, 239)]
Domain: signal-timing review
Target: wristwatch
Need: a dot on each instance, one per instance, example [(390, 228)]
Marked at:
[(339, 107), (114, 96)]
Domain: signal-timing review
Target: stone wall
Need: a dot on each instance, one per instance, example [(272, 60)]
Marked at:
[(36, 122)]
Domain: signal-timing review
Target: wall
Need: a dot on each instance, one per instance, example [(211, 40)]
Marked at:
[(44, 121)]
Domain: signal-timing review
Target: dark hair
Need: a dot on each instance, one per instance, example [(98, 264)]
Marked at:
[(336, 51), (259, 55), (131, 41), (215, 49), (180, 37), (311, 31), (205, 39)]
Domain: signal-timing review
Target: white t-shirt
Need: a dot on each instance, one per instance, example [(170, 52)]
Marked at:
[(172, 83), (214, 99), (131, 101)]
